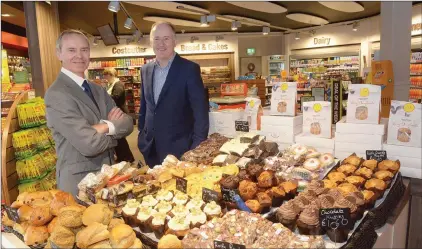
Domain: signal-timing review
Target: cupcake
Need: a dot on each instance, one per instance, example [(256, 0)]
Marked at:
[(230, 182), (212, 210), (197, 218), (329, 184), (278, 194), (346, 188), (377, 186), (290, 188), (358, 181), (392, 166), (158, 223), (318, 187), (144, 217), (287, 215), (264, 200), (340, 235), (247, 190), (326, 201), (267, 179), (149, 201), (301, 203), (336, 177), (164, 195), (308, 195), (195, 203), (336, 193), (353, 160), (369, 198), (129, 212), (308, 221), (164, 207), (254, 206), (370, 164), (180, 198), (179, 210), (364, 172), (178, 226), (357, 198), (345, 203), (347, 169)]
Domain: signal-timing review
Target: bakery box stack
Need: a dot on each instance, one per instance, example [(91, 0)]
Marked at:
[(361, 129), (404, 137), (281, 129), (223, 122)]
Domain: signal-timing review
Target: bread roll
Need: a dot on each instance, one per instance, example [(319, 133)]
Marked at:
[(24, 213), (122, 236), (61, 199), (52, 224), (53, 192), (20, 201), (169, 241), (38, 199), (71, 216), (115, 222), (105, 244), (136, 244), (63, 237), (36, 235), (92, 234), (97, 213), (40, 216), (21, 228)]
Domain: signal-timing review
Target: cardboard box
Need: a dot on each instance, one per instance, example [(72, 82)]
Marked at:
[(363, 104), (226, 131), (402, 151), (317, 119), (282, 120), (359, 138), (344, 154), (325, 150), (315, 141), (408, 162), (224, 118), (378, 129), (410, 172), (283, 99), (357, 147), (281, 134), (405, 126)]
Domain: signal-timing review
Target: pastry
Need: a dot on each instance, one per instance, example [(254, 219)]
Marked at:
[(25, 212), (97, 213), (358, 181), (312, 164), (197, 218), (169, 241), (122, 236), (61, 199), (358, 199), (71, 216), (149, 201), (212, 210), (326, 201), (163, 207), (329, 184), (130, 211), (254, 206), (290, 188), (219, 160), (40, 216), (243, 162), (315, 128), (63, 237), (370, 198), (243, 175), (266, 179), (271, 148), (92, 234), (247, 190), (376, 185), (178, 226), (114, 222), (144, 218), (164, 195), (347, 169), (158, 223), (336, 177), (254, 170), (390, 165), (370, 164), (287, 214), (361, 113), (348, 203), (38, 199), (313, 154), (36, 235), (137, 244), (353, 160), (326, 159), (105, 244), (278, 195), (179, 210), (336, 193), (231, 159), (347, 188), (20, 200), (308, 221), (230, 182), (318, 187), (264, 199), (180, 198), (404, 135), (300, 150), (384, 175), (195, 203), (364, 172)]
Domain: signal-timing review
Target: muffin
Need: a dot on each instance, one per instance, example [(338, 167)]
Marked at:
[(377, 186), (326, 201), (370, 164), (163, 207), (392, 166), (278, 194), (129, 212), (254, 170), (243, 175), (197, 218), (358, 181), (364, 172), (346, 188), (230, 182), (254, 206), (178, 226), (149, 201), (158, 223), (384, 175), (301, 203), (347, 169), (336, 177), (264, 200), (180, 198), (329, 184), (357, 198), (212, 210), (143, 219), (369, 198), (353, 160), (287, 215), (308, 221), (267, 179), (179, 210), (290, 188), (164, 195), (247, 190), (195, 203)]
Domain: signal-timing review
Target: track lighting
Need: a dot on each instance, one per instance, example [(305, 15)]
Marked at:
[(114, 6), (95, 41), (355, 26), (205, 20), (128, 23), (265, 30), (236, 25), (297, 36)]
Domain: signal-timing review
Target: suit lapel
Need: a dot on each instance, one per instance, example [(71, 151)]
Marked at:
[(77, 91), (171, 77)]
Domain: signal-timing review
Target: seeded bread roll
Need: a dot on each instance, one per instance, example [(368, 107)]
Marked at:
[(71, 216), (92, 234), (63, 237), (105, 244), (52, 225)]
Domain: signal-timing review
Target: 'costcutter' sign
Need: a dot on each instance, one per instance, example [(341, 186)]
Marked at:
[(201, 47), (128, 50)]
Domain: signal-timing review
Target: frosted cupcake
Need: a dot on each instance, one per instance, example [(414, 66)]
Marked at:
[(179, 210), (144, 218), (212, 210), (164, 207), (149, 201), (178, 226), (180, 198), (158, 223), (195, 203), (129, 212), (197, 218), (164, 195)]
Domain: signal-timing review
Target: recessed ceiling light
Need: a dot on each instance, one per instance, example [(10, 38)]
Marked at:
[(265, 7), (349, 7), (305, 18), (6, 15)]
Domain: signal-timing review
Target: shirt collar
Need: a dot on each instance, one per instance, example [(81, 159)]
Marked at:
[(168, 64), (77, 79)]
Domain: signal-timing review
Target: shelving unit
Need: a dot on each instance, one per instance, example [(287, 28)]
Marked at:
[(415, 92)]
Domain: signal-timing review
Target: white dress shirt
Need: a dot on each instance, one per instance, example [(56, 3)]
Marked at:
[(79, 80)]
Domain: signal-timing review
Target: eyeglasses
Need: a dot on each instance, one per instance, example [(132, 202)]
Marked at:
[(166, 40)]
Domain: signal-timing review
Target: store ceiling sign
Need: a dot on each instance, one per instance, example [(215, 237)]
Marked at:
[(128, 50), (203, 47), (250, 51), (322, 41)]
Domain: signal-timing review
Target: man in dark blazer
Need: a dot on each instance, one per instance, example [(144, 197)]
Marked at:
[(174, 112), (83, 118)]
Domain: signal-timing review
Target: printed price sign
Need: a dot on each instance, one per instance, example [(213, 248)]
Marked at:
[(241, 125), (181, 184), (335, 218), (379, 155), (226, 245), (229, 194), (209, 195), (12, 213)]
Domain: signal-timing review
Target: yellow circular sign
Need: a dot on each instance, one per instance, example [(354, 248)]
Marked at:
[(364, 92), (317, 107), (284, 86), (409, 107), (251, 103)]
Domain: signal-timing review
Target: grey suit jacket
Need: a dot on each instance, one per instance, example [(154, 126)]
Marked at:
[(70, 115)]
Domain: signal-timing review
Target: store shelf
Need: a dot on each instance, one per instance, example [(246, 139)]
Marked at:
[(101, 68), (415, 74), (343, 68), (416, 62)]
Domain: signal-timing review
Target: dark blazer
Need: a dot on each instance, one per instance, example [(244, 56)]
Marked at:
[(179, 120), (118, 94)]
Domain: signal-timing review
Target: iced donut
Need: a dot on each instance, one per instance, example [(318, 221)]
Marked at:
[(312, 164), (300, 150), (326, 159), (311, 150), (315, 154)]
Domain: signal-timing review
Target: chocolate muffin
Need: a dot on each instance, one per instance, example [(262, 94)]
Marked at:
[(254, 170), (230, 182)]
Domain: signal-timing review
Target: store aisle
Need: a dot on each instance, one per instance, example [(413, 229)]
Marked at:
[(132, 139)]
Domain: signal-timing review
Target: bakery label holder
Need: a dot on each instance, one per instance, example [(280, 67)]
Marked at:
[(182, 184), (209, 195), (379, 155), (226, 245), (241, 125), (335, 218)]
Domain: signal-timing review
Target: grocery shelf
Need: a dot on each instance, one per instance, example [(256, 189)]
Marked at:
[(415, 62), (100, 68), (412, 74)]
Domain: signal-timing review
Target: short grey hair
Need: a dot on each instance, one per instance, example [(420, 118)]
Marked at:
[(69, 32), (154, 26)]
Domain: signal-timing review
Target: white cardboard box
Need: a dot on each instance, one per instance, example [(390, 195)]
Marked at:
[(402, 151), (224, 119), (357, 147), (282, 120), (371, 129), (408, 162), (410, 172), (359, 138), (343, 154), (226, 131), (324, 150), (281, 134), (315, 141)]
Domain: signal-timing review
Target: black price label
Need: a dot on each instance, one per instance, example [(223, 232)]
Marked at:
[(226, 245), (229, 194), (91, 197), (241, 125), (379, 155), (12, 213), (182, 184), (335, 218), (209, 195)]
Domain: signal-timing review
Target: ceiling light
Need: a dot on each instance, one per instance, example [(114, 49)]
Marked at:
[(114, 6), (128, 23), (297, 36), (355, 26), (265, 30), (236, 25), (205, 20), (95, 42), (6, 15), (136, 33)]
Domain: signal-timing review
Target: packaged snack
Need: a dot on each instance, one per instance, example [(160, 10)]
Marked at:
[(363, 104), (283, 99), (317, 119), (404, 125)]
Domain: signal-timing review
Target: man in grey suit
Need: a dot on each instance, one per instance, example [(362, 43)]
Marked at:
[(83, 118)]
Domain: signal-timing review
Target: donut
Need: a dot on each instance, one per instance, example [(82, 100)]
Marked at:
[(315, 154), (326, 159), (311, 150), (312, 164), (300, 150)]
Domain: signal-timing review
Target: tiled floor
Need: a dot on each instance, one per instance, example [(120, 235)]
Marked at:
[(132, 139)]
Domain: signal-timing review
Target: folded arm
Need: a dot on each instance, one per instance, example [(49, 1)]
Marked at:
[(121, 126)]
